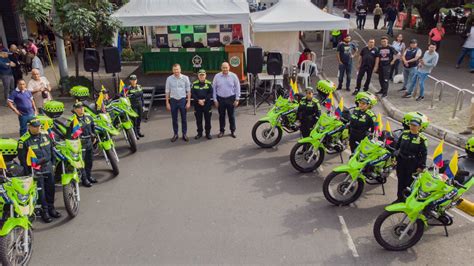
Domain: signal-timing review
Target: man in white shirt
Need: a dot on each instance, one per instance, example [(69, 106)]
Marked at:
[(39, 86), (178, 98)]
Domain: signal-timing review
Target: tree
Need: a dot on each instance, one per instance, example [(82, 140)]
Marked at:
[(76, 19), (428, 9)]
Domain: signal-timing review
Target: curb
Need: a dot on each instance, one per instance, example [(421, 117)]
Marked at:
[(434, 130)]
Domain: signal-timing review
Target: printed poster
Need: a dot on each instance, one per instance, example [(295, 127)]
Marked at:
[(226, 28), (186, 29), (212, 28), (161, 30), (174, 40), (199, 28), (187, 38), (226, 37), (161, 40), (173, 29), (201, 37), (213, 38)]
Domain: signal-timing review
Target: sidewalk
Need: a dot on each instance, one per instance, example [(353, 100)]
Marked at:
[(9, 121), (440, 116)]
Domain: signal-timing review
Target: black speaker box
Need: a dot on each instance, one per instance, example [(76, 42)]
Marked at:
[(274, 63), (254, 60), (91, 60), (112, 60)]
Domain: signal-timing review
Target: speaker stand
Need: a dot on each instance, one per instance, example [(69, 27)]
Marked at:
[(93, 86)]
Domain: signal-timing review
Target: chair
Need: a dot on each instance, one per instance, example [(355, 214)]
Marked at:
[(304, 72), (294, 59)]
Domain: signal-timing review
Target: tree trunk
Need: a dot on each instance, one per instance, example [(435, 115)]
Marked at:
[(75, 43), (407, 21)]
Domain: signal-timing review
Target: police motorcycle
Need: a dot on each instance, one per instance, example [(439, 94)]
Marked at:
[(371, 163), (18, 196), (69, 166), (104, 129), (268, 130), (122, 114)]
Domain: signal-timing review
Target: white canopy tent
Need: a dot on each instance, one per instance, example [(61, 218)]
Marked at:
[(186, 12), (277, 27)]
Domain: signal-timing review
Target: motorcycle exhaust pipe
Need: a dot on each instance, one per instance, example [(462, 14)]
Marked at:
[(466, 206)]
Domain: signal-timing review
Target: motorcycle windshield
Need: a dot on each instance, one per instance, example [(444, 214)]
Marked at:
[(23, 184), (431, 183), (370, 148), (74, 145)]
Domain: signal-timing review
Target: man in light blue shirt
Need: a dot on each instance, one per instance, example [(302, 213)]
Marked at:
[(226, 97), (178, 98)]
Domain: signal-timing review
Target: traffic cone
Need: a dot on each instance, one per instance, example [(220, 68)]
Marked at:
[(466, 206)]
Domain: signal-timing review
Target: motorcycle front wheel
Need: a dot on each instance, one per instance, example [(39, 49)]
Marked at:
[(12, 247), (132, 139), (113, 161), (303, 159), (71, 198), (389, 227), (340, 189), (264, 136)]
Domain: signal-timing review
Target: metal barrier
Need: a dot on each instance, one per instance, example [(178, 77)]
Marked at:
[(458, 103)]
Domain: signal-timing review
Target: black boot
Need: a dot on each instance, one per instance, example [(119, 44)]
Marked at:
[(54, 213), (86, 183), (45, 216), (92, 180)]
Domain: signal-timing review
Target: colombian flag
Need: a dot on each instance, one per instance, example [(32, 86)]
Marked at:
[(453, 166), (76, 128), (32, 160), (100, 101), (378, 123), (122, 88), (49, 130), (291, 96), (388, 128), (2, 162), (294, 86), (438, 155), (339, 109), (329, 101)]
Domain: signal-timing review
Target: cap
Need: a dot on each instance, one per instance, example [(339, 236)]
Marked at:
[(201, 71), (308, 89), (413, 41), (34, 122), (415, 121), (78, 105), (4, 50), (133, 77)]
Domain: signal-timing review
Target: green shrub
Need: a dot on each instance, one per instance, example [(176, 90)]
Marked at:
[(128, 55), (140, 49)]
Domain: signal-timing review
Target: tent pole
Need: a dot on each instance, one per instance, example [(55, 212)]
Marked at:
[(322, 50)]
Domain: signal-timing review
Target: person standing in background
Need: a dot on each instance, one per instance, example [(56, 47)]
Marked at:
[(14, 56), (6, 73), (201, 93), (21, 102), (226, 96), (40, 88), (391, 18), (410, 61), (368, 62), (178, 98), (436, 35), (425, 66), (345, 52), (378, 12), (386, 59), (398, 45)]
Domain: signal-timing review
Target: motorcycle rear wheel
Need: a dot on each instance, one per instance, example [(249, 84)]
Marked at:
[(70, 197), (113, 161), (394, 231), (274, 135), (12, 247), (337, 188), (299, 154), (132, 139)]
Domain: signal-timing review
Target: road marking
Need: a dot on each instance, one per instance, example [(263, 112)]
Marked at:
[(360, 36), (461, 213), (350, 243)]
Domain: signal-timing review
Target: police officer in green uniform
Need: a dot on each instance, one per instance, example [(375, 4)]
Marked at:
[(308, 112), (362, 121), (201, 92), (42, 146), (135, 93), (87, 140), (411, 155)]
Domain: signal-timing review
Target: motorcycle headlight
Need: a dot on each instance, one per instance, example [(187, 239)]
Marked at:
[(362, 156), (321, 128), (23, 198), (422, 195)]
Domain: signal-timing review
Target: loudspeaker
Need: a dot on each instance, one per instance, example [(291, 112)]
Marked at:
[(112, 60), (91, 60), (274, 63), (254, 60)]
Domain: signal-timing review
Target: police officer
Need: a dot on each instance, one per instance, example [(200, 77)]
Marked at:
[(411, 155), (201, 92), (135, 93), (362, 121), (42, 146), (308, 112), (87, 140)]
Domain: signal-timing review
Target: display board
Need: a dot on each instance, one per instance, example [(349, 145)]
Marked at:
[(208, 35)]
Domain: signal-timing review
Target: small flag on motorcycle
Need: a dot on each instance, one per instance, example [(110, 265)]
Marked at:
[(452, 168), (50, 131), (100, 102), (32, 160), (328, 102), (2, 162), (339, 109), (378, 124), (438, 155), (76, 128), (122, 89), (388, 130)]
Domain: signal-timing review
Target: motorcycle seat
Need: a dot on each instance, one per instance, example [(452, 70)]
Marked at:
[(463, 177)]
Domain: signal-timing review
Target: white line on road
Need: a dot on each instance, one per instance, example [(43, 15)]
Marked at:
[(463, 215), (350, 243)]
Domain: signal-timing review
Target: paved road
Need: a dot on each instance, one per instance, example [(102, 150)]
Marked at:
[(227, 201)]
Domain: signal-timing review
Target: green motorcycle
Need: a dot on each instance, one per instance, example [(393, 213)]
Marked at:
[(371, 164), (329, 135), (104, 130), (401, 225), (122, 116), (268, 131), (18, 197)]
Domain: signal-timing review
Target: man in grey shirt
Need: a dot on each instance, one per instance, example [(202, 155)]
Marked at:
[(226, 97), (178, 98)]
